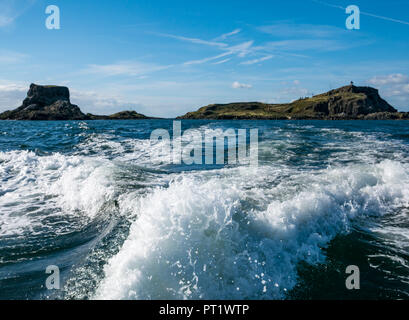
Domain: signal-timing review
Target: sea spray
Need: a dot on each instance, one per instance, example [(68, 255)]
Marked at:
[(196, 240), (95, 200)]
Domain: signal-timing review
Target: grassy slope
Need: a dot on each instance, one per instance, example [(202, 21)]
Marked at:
[(302, 108)]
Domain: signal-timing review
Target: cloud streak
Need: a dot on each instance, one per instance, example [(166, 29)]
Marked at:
[(222, 61), (229, 34), (363, 12), (127, 68), (240, 50), (194, 40), (200, 61), (285, 30), (310, 44), (254, 61)]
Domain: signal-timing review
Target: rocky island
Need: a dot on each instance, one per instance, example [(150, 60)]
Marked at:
[(53, 103), (345, 103)]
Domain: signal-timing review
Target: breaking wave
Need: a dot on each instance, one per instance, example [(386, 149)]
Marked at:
[(120, 224)]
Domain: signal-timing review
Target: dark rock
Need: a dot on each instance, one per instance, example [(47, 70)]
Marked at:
[(123, 115), (127, 115), (45, 103), (387, 116), (53, 103), (349, 102)]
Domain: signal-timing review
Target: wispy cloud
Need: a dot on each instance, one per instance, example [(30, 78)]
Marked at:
[(226, 35), (194, 40), (222, 61), (362, 12), (10, 10), (286, 30), (200, 61), (254, 61), (240, 50), (310, 45), (11, 57), (297, 38), (309, 37), (396, 78), (127, 68), (238, 85)]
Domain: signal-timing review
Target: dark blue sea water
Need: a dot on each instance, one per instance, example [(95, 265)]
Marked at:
[(95, 199)]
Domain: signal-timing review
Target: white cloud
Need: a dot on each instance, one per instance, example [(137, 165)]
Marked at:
[(396, 78), (254, 61), (238, 85), (393, 86), (200, 61), (11, 94), (229, 34), (195, 40), (241, 49), (222, 61), (127, 68)]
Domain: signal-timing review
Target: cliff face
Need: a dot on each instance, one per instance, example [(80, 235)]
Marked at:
[(349, 102), (352, 101), (45, 103), (46, 95)]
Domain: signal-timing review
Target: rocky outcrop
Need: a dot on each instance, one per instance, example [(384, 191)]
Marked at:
[(387, 116), (53, 103), (45, 103), (123, 115), (349, 102), (352, 101)]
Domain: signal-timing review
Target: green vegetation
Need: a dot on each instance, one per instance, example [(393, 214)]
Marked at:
[(349, 102)]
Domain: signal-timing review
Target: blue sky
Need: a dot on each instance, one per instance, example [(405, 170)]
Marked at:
[(164, 58)]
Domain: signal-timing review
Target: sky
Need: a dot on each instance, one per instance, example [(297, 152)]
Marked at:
[(165, 58)]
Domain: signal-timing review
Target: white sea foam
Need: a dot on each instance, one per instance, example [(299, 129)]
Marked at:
[(34, 187), (232, 233), (225, 234), (149, 152)]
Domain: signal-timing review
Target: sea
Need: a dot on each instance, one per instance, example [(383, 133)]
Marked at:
[(92, 205)]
